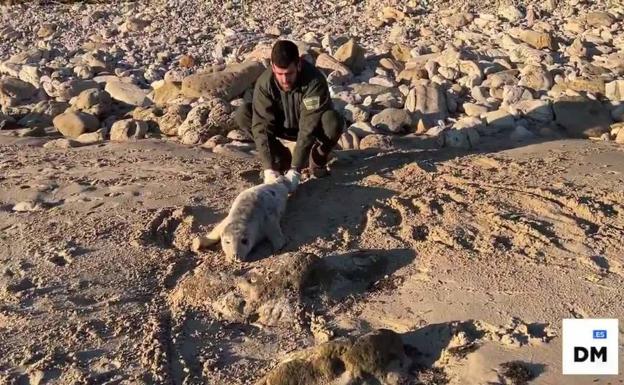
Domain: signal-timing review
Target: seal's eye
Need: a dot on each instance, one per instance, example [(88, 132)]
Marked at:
[(244, 241)]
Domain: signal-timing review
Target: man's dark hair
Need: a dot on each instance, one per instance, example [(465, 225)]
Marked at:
[(284, 53)]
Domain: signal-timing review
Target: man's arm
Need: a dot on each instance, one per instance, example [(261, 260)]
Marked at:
[(315, 102), (262, 122)]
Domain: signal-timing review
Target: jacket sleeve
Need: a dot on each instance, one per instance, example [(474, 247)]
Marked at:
[(315, 102), (262, 122)]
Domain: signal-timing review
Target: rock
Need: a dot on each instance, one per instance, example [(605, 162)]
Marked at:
[(615, 90), (94, 101), (458, 20), (536, 77), (595, 86), (362, 129), (73, 124), (227, 84), (581, 117), (474, 110), (382, 81), (173, 118), (376, 141), (27, 206), (67, 90), (538, 40), (401, 52), (14, 91), (537, 110), (329, 64), (30, 74), (349, 141), (167, 92), (428, 103), (62, 143), (199, 126), (351, 54), (514, 94), (91, 137), (389, 100), (355, 114), (412, 75), (465, 138), (379, 354), (186, 61), (510, 13), (500, 119), (128, 130), (127, 93), (521, 133), (134, 24), (391, 14), (215, 141), (240, 136), (619, 138), (599, 19), (392, 120), (46, 30), (43, 114)]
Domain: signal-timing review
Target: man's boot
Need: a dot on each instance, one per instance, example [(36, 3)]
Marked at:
[(318, 161)]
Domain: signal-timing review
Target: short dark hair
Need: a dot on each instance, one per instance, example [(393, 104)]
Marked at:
[(284, 53)]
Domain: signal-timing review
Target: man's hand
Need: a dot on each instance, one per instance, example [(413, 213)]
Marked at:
[(270, 176), (293, 177)]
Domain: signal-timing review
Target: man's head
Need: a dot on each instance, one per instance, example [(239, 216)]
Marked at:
[(285, 64)]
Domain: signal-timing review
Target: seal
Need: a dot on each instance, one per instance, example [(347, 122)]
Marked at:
[(254, 216)]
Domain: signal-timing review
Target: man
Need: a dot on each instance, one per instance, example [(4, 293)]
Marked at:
[(291, 101)]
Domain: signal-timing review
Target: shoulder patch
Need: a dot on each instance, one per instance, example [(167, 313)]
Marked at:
[(312, 103)]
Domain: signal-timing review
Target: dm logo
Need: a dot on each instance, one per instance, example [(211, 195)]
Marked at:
[(590, 346)]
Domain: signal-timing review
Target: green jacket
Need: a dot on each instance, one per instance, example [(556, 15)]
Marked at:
[(293, 115)]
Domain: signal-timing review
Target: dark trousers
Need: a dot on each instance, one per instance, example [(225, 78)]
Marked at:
[(326, 135)]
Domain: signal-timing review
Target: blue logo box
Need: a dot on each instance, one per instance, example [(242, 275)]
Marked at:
[(599, 334)]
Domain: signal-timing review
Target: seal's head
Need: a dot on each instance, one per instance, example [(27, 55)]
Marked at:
[(236, 242)]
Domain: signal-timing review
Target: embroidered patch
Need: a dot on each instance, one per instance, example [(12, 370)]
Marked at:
[(312, 103)]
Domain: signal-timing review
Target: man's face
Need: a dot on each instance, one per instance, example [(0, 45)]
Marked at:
[(286, 77)]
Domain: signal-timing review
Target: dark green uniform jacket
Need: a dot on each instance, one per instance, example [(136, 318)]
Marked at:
[(291, 115)]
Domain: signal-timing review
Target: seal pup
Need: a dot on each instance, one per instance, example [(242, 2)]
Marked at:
[(254, 216)]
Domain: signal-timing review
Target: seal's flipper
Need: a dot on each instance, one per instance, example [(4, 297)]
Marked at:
[(274, 234), (210, 239)]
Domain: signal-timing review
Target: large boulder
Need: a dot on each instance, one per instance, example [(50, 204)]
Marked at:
[(128, 130), (582, 117), (166, 92), (227, 84), (206, 120), (351, 54), (127, 93), (536, 77), (43, 113), (14, 91), (392, 120), (93, 101), (429, 105), (73, 124), (173, 118)]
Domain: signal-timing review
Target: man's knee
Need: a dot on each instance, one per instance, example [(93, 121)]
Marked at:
[(333, 125), (242, 116)]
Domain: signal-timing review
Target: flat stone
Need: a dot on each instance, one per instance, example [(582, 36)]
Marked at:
[(582, 117), (128, 93), (73, 124)]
